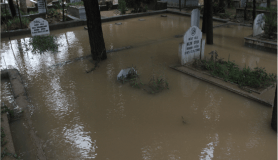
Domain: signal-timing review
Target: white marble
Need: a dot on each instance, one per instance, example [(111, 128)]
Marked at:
[(195, 18), (124, 72), (191, 46), (258, 24), (39, 27)]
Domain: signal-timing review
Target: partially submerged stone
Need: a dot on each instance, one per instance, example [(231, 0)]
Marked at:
[(141, 19), (258, 24), (163, 15), (126, 73)]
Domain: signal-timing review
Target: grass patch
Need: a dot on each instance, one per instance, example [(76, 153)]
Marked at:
[(44, 43), (256, 78), (76, 4), (14, 23)]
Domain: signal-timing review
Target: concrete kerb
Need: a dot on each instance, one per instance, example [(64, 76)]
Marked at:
[(78, 22), (218, 82), (22, 100)]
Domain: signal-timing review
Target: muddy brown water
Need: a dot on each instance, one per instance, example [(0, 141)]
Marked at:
[(92, 116)]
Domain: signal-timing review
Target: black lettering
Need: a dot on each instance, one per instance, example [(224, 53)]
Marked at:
[(196, 46), (196, 42)]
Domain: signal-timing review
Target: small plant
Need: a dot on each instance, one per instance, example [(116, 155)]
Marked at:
[(122, 6), (229, 71), (270, 22), (155, 85), (225, 15), (44, 43), (15, 23), (81, 3), (33, 12)]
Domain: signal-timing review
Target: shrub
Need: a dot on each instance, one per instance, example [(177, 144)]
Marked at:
[(15, 23), (270, 22), (122, 6)]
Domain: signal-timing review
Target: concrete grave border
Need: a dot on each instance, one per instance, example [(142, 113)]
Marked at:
[(22, 100), (218, 82)]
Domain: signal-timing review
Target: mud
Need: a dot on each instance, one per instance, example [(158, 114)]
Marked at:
[(85, 116)]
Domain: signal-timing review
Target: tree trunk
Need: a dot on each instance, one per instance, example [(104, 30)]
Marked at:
[(12, 8), (204, 27), (274, 113), (97, 44), (268, 3), (209, 24), (23, 6), (254, 10), (180, 5)]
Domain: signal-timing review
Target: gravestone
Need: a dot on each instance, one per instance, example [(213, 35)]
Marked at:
[(39, 27), (125, 72), (190, 48), (195, 17), (41, 6), (258, 24)]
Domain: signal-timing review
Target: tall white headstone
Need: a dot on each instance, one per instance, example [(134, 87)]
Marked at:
[(258, 24), (39, 27), (191, 46), (41, 6), (195, 17)]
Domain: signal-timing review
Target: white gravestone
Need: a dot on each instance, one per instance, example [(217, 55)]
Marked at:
[(39, 27), (258, 24), (195, 17), (41, 6), (190, 48)]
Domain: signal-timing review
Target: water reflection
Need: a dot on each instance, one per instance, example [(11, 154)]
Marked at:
[(207, 152), (72, 105)]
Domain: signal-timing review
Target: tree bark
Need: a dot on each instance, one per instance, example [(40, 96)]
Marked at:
[(209, 24), (204, 17), (268, 3), (254, 10), (23, 6), (12, 8), (274, 113), (180, 5), (97, 44)]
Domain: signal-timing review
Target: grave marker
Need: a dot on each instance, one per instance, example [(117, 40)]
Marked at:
[(41, 6), (190, 48), (258, 24), (195, 17), (39, 27)]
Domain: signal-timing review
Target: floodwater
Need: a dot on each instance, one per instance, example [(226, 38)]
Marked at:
[(81, 115)]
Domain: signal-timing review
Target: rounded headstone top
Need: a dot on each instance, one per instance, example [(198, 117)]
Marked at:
[(163, 15), (119, 23)]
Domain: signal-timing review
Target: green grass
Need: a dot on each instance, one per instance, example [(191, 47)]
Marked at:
[(15, 22), (76, 4), (255, 78), (44, 43)]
